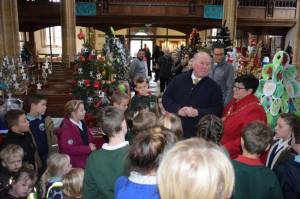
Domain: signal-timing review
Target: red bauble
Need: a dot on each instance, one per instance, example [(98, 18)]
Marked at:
[(91, 57), (96, 84), (279, 76), (87, 83), (82, 58), (269, 71), (97, 104), (81, 35), (74, 82)]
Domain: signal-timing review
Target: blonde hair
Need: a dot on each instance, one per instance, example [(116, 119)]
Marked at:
[(73, 183), (72, 106), (56, 163), (195, 169), (172, 123), (11, 150)]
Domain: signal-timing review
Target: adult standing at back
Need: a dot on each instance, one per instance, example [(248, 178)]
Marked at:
[(148, 59), (193, 94), (222, 72), (165, 67), (138, 66)]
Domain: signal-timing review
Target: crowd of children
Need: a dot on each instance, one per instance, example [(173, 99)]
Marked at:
[(145, 155)]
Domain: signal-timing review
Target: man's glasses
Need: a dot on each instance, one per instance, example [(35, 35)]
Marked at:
[(238, 88)]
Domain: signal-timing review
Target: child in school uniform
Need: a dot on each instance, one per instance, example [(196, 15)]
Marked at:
[(74, 137), (144, 157), (287, 124), (252, 178), (143, 99), (105, 165), (11, 161), (50, 184), (42, 127), (21, 186), (288, 171), (19, 134), (73, 184)]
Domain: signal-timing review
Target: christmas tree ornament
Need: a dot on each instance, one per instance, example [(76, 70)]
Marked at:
[(16, 85), (22, 70), (98, 76), (100, 93), (80, 70), (87, 83), (122, 88), (90, 100), (14, 77), (80, 83), (96, 84), (81, 35), (82, 58), (91, 74), (39, 86)]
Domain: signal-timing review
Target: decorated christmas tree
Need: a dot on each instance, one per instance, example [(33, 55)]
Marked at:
[(223, 35), (25, 53), (116, 52), (195, 43), (278, 89), (98, 75)]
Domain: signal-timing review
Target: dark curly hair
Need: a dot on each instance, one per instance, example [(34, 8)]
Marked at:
[(210, 128)]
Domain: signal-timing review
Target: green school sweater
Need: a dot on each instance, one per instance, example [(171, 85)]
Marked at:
[(255, 182), (141, 102), (102, 169)]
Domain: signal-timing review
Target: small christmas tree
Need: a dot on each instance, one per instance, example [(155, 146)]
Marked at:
[(278, 89), (92, 78), (98, 75), (25, 53)]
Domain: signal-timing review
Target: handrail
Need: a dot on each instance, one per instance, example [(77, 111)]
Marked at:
[(265, 3)]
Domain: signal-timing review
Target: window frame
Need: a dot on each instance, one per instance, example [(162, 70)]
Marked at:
[(53, 37)]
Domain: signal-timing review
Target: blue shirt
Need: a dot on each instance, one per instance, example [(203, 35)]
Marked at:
[(126, 189), (37, 127), (297, 158)]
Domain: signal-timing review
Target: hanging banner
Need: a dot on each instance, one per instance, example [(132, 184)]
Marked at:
[(213, 12), (86, 9)]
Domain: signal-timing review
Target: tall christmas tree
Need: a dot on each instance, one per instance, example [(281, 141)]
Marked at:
[(116, 52), (98, 75), (278, 89), (195, 44), (223, 35)]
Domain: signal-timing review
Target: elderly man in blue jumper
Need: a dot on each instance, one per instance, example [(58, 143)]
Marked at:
[(193, 94)]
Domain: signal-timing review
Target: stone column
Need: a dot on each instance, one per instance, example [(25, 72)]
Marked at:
[(296, 47), (31, 45), (230, 15), (9, 28), (68, 27)]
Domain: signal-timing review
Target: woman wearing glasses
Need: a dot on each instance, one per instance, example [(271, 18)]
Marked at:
[(74, 137), (242, 109)]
